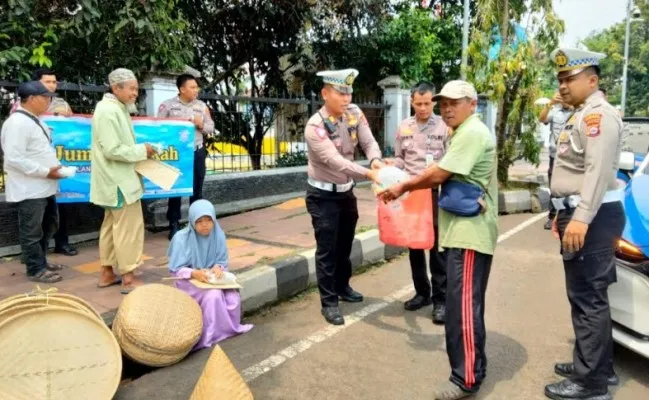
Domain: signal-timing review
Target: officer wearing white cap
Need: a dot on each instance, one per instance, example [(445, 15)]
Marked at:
[(468, 235), (332, 135), (590, 219)]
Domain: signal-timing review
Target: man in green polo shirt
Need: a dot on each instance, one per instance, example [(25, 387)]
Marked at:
[(469, 242)]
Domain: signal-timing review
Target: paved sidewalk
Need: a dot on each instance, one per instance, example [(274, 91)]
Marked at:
[(254, 238)]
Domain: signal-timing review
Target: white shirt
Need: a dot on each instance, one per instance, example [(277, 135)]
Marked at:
[(28, 157)]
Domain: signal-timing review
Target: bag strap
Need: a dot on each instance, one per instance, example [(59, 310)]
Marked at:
[(493, 174), (36, 121)]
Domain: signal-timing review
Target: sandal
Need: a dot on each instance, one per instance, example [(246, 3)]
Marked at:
[(126, 289), (115, 281), (45, 276), (54, 267)]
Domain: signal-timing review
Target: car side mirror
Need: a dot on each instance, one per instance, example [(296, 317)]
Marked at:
[(627, 161)]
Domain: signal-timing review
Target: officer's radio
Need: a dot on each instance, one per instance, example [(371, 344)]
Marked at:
[(329, 126)]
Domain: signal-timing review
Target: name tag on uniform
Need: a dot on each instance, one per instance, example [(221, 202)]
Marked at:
[(430, 159)]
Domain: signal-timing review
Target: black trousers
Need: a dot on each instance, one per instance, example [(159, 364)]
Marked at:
[(173, 207), (589, 273), (467, 273), (37, 220), (551, 211), (334, 217), (437, 282), (61, 235)]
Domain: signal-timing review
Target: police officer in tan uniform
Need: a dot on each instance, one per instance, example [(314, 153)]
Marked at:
[(332, 135), (187, 106), (590, 219), (421, 141)]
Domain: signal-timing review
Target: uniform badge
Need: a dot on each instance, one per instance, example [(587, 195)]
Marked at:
[(351, 120), (405, 132), (561, 59), (364, 120), (321, 132), (563, 147), (593, 122), (563, 137), (350, 79), (354, 136)]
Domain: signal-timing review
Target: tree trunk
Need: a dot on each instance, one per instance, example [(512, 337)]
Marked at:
[(503, 105), (256, 145), (504, 142)]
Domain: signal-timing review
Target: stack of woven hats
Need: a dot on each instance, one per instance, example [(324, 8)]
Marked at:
[(158, 325), (56, 346)]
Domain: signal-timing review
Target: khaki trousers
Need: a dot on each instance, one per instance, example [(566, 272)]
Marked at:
[(121, 238)]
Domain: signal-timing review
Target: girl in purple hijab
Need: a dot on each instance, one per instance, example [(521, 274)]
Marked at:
[(193, 252)]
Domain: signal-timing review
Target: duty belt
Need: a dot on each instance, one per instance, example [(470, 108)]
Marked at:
[(569, 202), (331, 187)]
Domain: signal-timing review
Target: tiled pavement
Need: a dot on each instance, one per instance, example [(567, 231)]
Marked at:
[(255, 237)]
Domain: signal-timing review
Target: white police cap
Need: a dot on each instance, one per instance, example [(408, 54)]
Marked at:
[(570, 62), (342, 80)]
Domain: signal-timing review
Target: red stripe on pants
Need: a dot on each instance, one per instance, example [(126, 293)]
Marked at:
[(467, 318)]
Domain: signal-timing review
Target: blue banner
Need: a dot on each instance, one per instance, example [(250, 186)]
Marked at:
[(71, 139)]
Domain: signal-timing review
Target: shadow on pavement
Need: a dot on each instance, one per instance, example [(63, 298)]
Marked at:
[(506, 356)]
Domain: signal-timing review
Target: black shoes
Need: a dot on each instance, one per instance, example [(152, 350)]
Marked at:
[(333, 315), (350, 295), (417, 302), (173, 228), (567, 389), (66, 250), (566, 370), (439, 314)]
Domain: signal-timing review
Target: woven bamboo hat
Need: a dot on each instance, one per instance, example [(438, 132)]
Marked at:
[(46, 301), (220, 380), (158, 325), (39, 295), (51, 352)]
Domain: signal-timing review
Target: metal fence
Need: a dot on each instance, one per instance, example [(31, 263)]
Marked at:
[(252, 132), (260, 133)]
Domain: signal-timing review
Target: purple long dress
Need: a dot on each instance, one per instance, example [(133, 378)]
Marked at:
[(221, 310), (190, 250)]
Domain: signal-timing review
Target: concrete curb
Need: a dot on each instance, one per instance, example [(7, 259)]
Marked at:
[(523, 200), (263, 285)]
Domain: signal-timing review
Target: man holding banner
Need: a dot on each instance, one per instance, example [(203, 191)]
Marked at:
[(58, 106), (114, 183)]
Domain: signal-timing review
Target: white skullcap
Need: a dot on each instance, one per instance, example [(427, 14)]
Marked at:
[(121, 75)]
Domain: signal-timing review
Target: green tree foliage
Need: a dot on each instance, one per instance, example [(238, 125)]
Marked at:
[(248, 45), (611, 43), (85, 39), (513, 78), (388, 38)]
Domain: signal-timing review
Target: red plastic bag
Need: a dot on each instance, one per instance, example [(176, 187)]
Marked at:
[(408, 222)]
